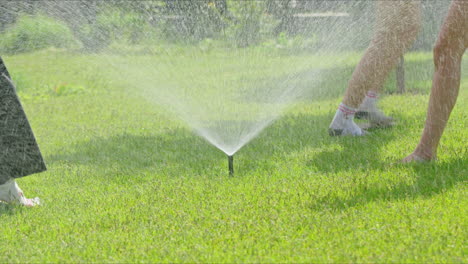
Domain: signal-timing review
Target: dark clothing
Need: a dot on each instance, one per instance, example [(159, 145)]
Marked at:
[(19, 153)]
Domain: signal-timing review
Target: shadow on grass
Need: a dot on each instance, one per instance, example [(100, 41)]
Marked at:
[(177, 151), (358, 155), (308, 134), (7, 209), (429, 179), (180, 151)]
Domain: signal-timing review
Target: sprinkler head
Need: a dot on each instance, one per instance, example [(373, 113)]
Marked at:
[(231, 165)]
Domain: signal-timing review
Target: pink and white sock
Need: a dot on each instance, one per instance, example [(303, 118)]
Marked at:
[(346, 110), (372, 94)]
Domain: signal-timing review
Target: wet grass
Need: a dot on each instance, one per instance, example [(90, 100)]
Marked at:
[(127, 183)]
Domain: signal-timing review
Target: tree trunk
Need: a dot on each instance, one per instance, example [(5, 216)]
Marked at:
[(400, 75)]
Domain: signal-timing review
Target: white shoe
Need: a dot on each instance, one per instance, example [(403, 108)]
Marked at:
[(11, 193), (343, 125)]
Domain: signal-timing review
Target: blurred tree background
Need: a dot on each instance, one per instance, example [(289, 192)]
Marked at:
[(96, 25)]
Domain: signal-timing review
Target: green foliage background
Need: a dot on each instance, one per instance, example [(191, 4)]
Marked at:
[(96, 25), (31, 33)]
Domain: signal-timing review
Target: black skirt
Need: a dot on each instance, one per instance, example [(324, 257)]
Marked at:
[(19, 153)]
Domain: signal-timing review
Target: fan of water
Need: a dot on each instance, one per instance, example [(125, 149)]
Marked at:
[(229, 90), (226, 68)]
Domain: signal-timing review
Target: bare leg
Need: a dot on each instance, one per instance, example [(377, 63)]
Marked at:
[(448, 53), (398, 23)]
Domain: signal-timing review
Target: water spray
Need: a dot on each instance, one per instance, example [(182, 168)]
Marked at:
[(231, 165)]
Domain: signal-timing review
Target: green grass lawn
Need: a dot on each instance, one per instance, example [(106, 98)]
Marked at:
[(128, 182)]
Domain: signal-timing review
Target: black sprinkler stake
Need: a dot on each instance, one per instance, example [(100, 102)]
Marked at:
[(231, 165)]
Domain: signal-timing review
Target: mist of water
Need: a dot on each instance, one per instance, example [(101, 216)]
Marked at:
[(228, 92)]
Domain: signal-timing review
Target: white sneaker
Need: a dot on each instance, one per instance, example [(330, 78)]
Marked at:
[(343, 124), (11, 193)]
